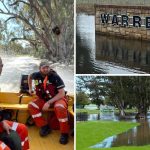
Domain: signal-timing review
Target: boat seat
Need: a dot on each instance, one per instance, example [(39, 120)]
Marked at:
[(14, 106), (24, 106)]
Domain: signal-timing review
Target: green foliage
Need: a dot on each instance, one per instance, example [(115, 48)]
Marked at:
[(121, 92), (82, 99)]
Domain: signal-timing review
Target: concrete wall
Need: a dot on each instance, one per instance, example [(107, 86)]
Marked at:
[(141, 33), (116, 2), (85, 8)]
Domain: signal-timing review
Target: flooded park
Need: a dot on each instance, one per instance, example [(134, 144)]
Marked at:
[(137, 136), (114, 110)]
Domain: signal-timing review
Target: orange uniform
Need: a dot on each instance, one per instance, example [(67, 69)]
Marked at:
[(3, 146), (22, 132), (46, 88)]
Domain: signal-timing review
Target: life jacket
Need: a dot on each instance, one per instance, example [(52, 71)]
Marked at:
[(47, 91)]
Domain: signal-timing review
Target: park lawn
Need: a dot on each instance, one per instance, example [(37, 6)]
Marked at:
[(97, 111), (92, 132)]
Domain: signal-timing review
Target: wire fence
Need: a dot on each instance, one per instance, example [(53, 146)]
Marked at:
[(116, 2)]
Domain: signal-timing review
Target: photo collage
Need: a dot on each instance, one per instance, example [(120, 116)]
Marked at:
[(74, 74)]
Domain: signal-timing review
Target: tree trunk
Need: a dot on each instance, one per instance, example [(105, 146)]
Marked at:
[(122, 113), (98, 106), (142, 113)]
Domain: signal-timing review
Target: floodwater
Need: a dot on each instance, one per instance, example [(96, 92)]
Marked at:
[(97, 54), (137, 136), (84, 116), (15, 66)]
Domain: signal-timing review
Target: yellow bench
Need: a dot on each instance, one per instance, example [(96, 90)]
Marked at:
[(25, 107), (14, 106), (20, 102)]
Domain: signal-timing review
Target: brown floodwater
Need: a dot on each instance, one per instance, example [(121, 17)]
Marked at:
[(15, 66)]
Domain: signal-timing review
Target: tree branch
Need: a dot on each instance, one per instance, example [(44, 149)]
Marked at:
[(9, 19), (15, 3), (5, 6), (25, 39)]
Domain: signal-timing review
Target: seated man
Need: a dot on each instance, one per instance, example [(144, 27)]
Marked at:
[(50, 91), (13, 135)]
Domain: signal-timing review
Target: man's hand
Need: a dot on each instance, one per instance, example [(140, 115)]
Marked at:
[(46, 106), (30, 92), (30, 84), (6, 127)]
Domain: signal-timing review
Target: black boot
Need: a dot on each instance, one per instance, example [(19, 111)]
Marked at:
[(45, 130), (64, 138)]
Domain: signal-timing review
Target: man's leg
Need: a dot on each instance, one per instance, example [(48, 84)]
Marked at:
[(22, 131), (35, 109), (61, 110), (18, 140)]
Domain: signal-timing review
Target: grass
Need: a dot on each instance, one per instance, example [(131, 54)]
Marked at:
[(97, 111), (90, 133)]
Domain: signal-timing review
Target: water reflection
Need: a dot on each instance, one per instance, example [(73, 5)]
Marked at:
[(85, 51), (84, 116), (137, 136), (121, 51), (103, 54)]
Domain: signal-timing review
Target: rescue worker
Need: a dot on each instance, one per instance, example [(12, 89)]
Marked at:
[(13, 135), (49, 88)]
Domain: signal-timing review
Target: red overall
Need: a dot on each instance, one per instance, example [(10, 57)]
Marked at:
[(22, 132), (60, 107)]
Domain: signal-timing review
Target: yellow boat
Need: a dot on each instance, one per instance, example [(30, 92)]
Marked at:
[(18, 103)]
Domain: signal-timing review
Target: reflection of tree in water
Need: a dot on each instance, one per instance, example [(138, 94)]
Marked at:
[(82, 116), (138, 136), (130, 53)]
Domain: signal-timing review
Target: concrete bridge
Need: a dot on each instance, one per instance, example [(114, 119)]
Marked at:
[(87, 6), (116, 2), (124, 18)]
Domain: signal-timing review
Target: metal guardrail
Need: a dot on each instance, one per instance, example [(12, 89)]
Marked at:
[(116, 2)]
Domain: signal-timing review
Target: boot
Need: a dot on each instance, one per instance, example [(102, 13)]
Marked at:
[(64, 138), (45, 130)]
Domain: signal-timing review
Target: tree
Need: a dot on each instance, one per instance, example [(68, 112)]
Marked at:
[(82, 99), (97, 90), (129, 92), (94, 86), (82, 83), (118, 93), (45, 24), (140, 94)]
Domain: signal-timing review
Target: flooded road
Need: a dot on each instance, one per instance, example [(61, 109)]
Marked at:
[(137, 136), (15, 66), (111, 55)]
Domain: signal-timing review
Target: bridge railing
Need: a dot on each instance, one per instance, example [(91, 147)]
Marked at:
[(116, 2)]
